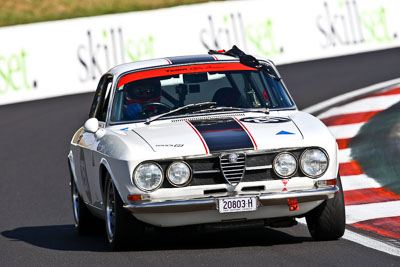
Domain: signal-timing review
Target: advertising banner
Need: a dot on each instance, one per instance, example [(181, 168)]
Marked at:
[(67, 57)]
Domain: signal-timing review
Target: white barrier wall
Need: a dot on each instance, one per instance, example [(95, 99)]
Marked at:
[(66, 57)]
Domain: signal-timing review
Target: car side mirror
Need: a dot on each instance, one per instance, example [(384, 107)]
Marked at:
[(91, 125)]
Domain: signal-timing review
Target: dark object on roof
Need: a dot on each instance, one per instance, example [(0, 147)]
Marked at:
[(248, 60)]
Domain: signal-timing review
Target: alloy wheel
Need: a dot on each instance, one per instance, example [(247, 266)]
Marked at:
[(75, 202), (110, 209)]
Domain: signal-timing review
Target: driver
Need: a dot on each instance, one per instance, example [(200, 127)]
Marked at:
[(138, 93)]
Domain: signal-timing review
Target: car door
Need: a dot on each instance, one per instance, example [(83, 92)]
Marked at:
[(88, 165)]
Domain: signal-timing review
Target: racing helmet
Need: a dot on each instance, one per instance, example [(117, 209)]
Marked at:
[(143, 91)]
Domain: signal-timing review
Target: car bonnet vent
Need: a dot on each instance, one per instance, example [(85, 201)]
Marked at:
[(209, 117), (233, 166)]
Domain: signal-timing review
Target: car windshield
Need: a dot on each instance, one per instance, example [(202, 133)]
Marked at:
[(142, 95)]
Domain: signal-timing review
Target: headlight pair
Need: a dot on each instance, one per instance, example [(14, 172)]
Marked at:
[(149, 176), (313, 163)]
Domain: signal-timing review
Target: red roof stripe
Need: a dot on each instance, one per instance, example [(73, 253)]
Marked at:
[(169, 61)]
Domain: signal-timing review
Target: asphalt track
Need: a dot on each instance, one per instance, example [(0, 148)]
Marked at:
[(36, 219)]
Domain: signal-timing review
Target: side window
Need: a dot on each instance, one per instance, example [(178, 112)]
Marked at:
[(102, 113), (101, 99)]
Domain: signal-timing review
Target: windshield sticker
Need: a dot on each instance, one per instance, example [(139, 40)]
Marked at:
[(265, 120), (284, 132), (180, 70)]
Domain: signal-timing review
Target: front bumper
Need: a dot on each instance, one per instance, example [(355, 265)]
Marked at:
[(211, 204)]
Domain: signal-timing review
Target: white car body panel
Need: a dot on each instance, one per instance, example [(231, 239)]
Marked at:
[(118, 149)]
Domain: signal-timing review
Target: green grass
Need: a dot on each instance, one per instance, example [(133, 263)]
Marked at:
[(14, 12)]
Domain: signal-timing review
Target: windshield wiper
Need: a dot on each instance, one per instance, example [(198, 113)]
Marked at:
[(262, 110), (186, 107)]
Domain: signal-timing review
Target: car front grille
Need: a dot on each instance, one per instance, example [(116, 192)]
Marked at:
[(232, 167)]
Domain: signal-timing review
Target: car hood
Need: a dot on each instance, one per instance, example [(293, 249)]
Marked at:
[(206, 136)]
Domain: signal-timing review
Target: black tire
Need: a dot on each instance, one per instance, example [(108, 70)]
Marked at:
[(122, 228), (328, 220), (84, 221)]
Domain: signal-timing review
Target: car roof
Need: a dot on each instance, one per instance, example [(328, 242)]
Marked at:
[(173, 61)]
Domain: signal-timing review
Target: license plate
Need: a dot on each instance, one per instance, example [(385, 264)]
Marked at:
[(237, 204)]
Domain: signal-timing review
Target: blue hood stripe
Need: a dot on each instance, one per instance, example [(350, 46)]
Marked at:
[(225, 134)]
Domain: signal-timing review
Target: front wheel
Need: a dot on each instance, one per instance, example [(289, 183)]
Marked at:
[(328, 220), (121, 226)]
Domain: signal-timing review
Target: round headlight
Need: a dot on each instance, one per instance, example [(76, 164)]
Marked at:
[(313, 162), (179, 173), (148, 176), (285, 164)]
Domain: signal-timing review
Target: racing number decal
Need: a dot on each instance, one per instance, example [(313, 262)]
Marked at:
[(265, 120)]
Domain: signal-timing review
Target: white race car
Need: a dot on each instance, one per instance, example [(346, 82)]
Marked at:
[(207, 140)]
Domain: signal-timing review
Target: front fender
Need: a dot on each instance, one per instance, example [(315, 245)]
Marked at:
[(119, 176), (71, 165)]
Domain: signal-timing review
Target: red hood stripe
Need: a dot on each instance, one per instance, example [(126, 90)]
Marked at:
[(248, 132), (199, 135)]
